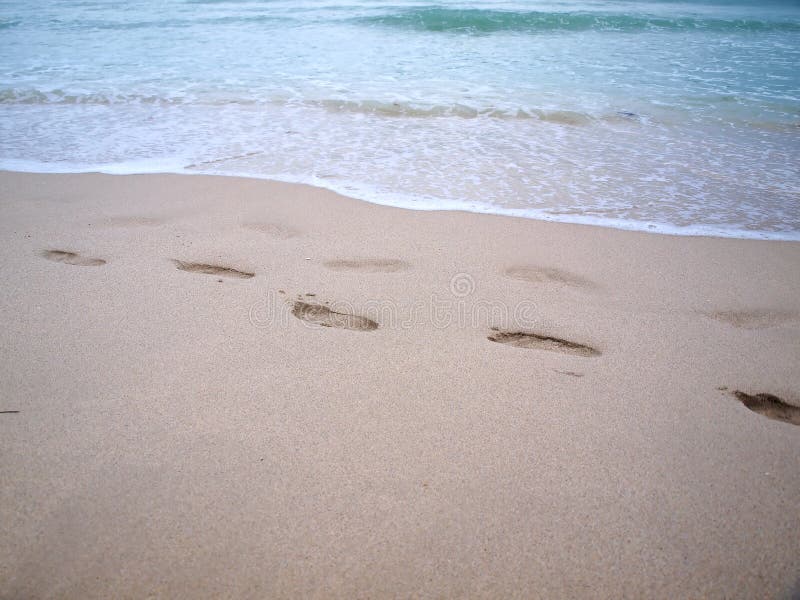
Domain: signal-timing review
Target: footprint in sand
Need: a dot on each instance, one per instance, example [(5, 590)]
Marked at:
[(274, 230), (770, 406), (368, 265), (207, 269), (72, 258), (318, 314), (753, 319), (535, 341), (547, 275)]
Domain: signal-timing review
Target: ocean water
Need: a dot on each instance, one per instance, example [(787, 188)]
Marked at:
[(680, 117)]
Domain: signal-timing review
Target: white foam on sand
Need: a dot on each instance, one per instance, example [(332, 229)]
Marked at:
[(367, 193)]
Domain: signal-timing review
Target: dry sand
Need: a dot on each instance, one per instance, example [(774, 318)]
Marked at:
[(239, 388)]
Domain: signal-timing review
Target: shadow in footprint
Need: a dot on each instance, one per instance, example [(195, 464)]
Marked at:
[(323, 316), (547, 275), (368, 265), (217, 270), (534, 341), (72, 258), (770, 406)]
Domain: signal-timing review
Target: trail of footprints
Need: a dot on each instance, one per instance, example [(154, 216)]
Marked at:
[(322, 315)]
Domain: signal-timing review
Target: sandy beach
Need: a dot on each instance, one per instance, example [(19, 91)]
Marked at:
[(220, 387)]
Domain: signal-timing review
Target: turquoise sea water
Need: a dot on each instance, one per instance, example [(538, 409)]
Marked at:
[(670, 116)]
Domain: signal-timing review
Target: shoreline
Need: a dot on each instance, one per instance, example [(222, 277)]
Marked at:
[(217, 386), (407, 202)]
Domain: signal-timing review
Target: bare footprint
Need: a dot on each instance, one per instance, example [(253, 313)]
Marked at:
[(770, 406), (753, 319), (275, 230), (534, 341), (368, 265), (547, 275), (326, 317), (206, 269), (72, 258)]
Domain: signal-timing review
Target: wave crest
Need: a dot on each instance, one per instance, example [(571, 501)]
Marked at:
[(489, 21), (366, 107)]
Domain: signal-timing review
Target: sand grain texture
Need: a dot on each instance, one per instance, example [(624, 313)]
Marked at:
[(177, 437)]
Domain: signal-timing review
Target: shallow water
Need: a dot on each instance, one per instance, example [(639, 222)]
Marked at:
[(676, 117)]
